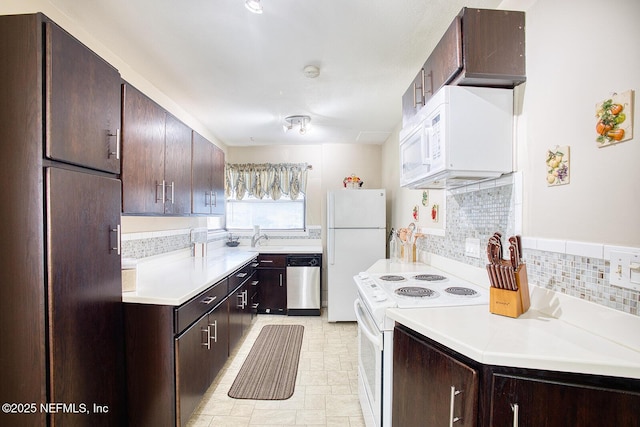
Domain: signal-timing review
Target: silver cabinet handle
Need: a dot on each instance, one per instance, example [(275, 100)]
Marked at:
[(215, 331), (245, 298), (161, 185), (207, 342), (215, 198), (424, 84), (241, 275), (240, 297), (117, 247), (115, 153), (280, 279), (454, 393), (515, 408), (267, 261), (208, 300), (173, 192), (255, 283)]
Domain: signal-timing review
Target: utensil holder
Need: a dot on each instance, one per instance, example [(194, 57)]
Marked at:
[(511, 303)]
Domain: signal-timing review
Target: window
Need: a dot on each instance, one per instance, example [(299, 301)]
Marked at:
[(269, 195), (281, 214)]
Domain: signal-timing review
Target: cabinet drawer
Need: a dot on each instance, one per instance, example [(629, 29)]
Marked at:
[(240, 276), (190, 311), (272, 261)]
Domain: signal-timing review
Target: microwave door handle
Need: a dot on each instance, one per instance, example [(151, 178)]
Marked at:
[(374, 338), (427, 134)]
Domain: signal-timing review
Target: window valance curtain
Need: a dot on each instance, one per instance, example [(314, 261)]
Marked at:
[(261, 180)]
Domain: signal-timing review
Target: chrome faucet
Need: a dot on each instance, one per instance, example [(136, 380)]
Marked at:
[(256, 238)]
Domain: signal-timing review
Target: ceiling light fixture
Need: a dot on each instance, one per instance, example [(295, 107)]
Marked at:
[(253, 6), (302, 121), (311, 71)]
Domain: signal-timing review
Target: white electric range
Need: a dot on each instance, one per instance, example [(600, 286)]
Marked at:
[(401, 286)]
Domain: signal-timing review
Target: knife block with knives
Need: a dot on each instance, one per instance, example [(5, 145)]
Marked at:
[(509, 292)]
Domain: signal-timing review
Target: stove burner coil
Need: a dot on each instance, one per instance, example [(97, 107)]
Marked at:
[(392, 278), (461, 291), (417, 291), (430, 277)]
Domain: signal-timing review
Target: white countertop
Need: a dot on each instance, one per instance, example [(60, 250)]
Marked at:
[(173, 280), (545, 337)]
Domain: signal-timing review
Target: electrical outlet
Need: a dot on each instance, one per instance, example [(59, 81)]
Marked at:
[(472, 247), (625, 270)]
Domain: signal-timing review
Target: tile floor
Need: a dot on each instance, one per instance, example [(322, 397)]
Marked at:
[(326, 392)]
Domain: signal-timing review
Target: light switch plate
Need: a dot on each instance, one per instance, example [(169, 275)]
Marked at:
[(472, 247), (625, 270)]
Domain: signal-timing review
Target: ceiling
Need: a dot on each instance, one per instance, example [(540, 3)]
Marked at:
[(240, 74)]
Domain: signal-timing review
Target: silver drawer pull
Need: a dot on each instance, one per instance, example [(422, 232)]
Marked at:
[(452, 418), (241, 275), (255, 283), (208, 300), (117, 247), (207, 343), (115, 153), (215, 331), (515, 409), (267, 261)]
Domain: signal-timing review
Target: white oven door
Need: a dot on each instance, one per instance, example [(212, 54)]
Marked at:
[(370, 348)]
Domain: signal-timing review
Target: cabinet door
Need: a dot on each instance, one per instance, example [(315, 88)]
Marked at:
[(493, 45), (82, 104), (431, 388), (202, 175), (219, 337), (143, 134), (86, 336), (554, 404), (177, 167), (236, 308), (273, 290), (218, 202), (413, 99), (445, 62), (193, 363)]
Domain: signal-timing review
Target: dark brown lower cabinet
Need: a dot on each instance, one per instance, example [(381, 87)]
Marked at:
[(533, 402), (431, 388), (173, 354), (435, 386), (200, 353)]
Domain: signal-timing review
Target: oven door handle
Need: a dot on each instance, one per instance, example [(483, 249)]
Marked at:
[(364, 327)]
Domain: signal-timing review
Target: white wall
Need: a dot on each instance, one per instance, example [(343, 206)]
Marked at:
[(578, 53), (331, 164)]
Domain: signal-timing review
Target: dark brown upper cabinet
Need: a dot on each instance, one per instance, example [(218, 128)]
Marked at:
[(207, 178), (82, 95), (481, 47), (156, 158)]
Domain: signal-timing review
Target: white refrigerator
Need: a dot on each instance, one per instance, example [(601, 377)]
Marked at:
[(356, 238)]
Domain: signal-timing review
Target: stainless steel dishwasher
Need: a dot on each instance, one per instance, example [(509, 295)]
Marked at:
[(303, 284)]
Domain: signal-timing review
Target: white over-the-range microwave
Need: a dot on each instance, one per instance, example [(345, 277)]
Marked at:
[(461, 136)]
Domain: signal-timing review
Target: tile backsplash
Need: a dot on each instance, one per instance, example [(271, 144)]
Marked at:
[(148, 244), (479, 213)]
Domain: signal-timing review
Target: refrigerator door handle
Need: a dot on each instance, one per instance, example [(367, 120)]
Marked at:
[(331, 245), (330, 209)]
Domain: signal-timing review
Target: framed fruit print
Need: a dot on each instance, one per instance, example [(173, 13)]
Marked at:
[(614, 119)]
